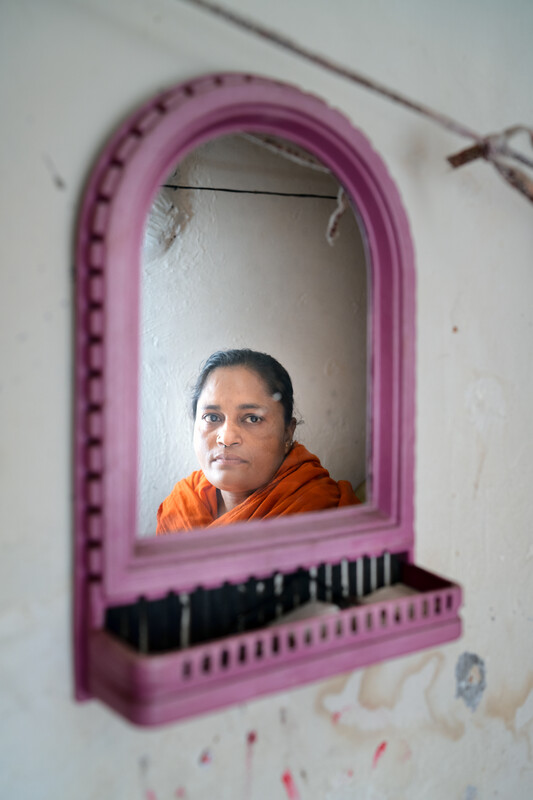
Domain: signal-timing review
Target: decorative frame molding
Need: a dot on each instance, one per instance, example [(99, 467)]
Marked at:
[(112, 566)]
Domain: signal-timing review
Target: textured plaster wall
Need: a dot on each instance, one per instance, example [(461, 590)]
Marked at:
[(227, 270), (69, 73)]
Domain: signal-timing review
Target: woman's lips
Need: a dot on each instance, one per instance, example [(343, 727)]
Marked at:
[(226, 458)]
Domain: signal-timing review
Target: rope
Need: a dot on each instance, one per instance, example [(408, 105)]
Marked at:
[(494, 148)]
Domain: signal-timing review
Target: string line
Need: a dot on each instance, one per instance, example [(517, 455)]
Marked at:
[(492, 148)]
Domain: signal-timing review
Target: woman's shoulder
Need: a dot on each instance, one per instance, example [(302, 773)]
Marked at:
[(192, 503), (195, 481)]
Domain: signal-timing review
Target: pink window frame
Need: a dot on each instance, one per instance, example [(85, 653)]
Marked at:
[(112, 566)]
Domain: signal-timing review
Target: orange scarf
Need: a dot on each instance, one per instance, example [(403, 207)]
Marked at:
[(300, 484)]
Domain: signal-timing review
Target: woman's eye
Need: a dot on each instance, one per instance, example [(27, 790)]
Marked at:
[(253, 418), (211, 417)]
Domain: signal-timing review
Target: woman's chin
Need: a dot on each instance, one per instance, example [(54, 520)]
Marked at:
[(233, 488)]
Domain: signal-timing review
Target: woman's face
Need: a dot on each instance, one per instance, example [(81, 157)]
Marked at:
[(240, 436)]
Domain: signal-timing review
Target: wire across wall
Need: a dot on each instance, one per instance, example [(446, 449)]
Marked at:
[(514, 166)]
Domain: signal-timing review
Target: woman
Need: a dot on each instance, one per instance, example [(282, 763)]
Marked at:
[(243, 438)]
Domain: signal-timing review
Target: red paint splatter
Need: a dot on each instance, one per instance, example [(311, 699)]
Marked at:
[(336, 716), (206, 757), (380, 749), (251, 739), (290, 786)]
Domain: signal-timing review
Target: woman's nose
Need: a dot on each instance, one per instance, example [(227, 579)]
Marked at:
[(228, 434)]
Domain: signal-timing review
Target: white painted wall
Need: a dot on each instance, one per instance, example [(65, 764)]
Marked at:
[(225, 270), (69, 73)]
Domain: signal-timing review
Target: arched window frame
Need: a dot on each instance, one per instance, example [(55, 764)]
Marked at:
[(113, 566)]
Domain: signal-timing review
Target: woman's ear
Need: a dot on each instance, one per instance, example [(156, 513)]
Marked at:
[(290, 429)]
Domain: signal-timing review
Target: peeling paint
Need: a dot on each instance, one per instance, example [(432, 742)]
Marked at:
[(470, 675), (485, 402), (165, 224), (512, 704), (387, 697), (381, 687), (339, 781)]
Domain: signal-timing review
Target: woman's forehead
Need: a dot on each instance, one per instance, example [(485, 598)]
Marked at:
[(233, 389), (232, 381)]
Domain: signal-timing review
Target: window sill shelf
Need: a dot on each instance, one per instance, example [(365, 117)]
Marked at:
[(151, 689)]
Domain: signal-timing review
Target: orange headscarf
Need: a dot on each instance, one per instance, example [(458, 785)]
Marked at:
[(300, 484)]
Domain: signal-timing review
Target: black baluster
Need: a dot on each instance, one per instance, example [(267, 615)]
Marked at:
[(336, 583)]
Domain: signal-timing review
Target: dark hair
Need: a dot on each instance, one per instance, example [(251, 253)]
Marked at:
[(275, 376)]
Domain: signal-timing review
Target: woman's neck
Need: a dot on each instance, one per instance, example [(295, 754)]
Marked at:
[(227, 501)]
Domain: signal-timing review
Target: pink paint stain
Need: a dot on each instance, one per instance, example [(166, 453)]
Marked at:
[(350, 773), (206, 757), (380, 749), (290, 786), (406, 755), (150, 795), (336, 716), (180, 792)]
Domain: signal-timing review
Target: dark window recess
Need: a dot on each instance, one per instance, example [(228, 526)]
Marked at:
[(178, 621)]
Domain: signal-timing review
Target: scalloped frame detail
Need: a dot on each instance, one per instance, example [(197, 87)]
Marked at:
[(110, 564)]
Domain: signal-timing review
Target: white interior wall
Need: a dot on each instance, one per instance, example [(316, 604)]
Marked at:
[(223, 270), (70, 71)]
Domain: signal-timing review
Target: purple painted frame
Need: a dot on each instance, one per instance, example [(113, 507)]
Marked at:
[(112, 566)]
